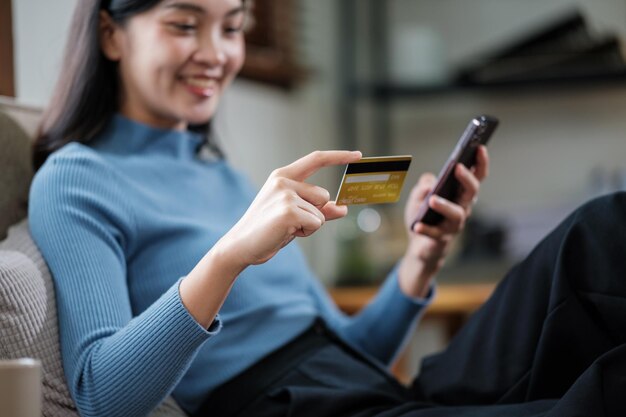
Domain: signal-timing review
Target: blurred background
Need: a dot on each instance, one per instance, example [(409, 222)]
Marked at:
[(405, 77)]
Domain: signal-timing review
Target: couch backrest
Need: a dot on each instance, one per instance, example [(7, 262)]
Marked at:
[(26, 116), (15, 172)]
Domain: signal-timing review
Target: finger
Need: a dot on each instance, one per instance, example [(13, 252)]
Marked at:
[(332, 211), (307, 223), (419, 192), (424, 185), (454, 218), (311, 163), (469, 185), (310, 208), (481, 169), (433, 232), (314, 194), (453, 213)]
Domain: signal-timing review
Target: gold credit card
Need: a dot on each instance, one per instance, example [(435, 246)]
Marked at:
[(373, 180)]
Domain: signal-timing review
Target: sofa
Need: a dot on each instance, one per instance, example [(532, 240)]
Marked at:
[(28, 319)]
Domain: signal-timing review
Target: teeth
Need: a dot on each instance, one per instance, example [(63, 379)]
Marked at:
[(201, 82)]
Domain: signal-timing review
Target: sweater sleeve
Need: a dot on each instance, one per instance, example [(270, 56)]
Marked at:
[(115, 365), (383, 327)]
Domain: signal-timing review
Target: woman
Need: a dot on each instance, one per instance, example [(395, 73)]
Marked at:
[(147, 242)]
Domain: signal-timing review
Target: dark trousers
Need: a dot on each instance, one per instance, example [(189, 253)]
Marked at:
[(551, 341)]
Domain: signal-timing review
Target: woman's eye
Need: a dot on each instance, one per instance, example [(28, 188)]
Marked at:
[(232, 29), (184, 27), (234, 25)]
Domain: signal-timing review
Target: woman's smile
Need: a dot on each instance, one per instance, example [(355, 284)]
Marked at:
[(200, 86)]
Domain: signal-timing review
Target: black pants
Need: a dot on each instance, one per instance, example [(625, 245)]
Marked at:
[(551, 341)]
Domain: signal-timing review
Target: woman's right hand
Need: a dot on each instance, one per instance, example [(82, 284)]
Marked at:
[(286, 207)]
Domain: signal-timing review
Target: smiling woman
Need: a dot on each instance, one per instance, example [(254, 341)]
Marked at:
[(201, 48), (147, 241), (173, 275)]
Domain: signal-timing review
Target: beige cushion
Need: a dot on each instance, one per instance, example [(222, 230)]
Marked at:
[(15, 172), (28, 320)]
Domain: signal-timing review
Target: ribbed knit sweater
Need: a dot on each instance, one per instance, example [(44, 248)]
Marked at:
[(120, 222)]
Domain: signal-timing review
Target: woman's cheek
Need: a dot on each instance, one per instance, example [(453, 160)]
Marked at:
[(237, 56)]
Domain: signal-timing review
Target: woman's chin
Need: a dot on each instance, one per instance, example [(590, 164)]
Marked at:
[(199, 116)]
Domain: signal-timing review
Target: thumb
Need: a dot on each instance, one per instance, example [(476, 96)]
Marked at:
[(424, 186), (332, 211)]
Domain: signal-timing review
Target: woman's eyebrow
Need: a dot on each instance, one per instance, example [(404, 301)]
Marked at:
[(199, 9), (236, 10), (185, 6)]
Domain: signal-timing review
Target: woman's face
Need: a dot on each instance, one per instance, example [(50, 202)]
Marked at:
[(176, 59)]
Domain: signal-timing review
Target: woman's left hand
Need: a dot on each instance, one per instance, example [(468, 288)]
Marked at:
[(428, 245)]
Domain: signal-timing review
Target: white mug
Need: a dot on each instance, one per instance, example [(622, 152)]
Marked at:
[(20, 388)]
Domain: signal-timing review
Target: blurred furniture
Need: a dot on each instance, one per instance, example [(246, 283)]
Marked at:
[(7, 87), (271, 44), (381, 91)]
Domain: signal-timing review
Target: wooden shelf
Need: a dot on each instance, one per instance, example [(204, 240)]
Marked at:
[(453, 304), (391, 90)]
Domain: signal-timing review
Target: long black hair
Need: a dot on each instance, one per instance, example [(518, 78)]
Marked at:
[(86, 95)]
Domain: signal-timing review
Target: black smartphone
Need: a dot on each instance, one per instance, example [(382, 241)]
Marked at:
[(478, 132)]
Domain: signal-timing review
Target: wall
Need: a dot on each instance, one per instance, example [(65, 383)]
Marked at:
[(40, 28)]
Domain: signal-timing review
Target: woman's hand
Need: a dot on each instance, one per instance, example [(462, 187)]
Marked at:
[(428, 245), (285, 208)]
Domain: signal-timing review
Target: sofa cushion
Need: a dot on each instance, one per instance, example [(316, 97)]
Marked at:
[(15, 172), (28, 320)]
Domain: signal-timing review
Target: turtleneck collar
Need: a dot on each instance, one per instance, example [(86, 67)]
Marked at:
[(126, 136)]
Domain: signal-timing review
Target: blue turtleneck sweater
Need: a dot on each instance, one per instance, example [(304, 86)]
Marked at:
[(120, 222)]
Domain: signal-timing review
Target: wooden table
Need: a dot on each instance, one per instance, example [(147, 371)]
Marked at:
[(451, 298)]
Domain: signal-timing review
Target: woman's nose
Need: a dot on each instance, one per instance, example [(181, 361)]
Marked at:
[(211, 51)]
